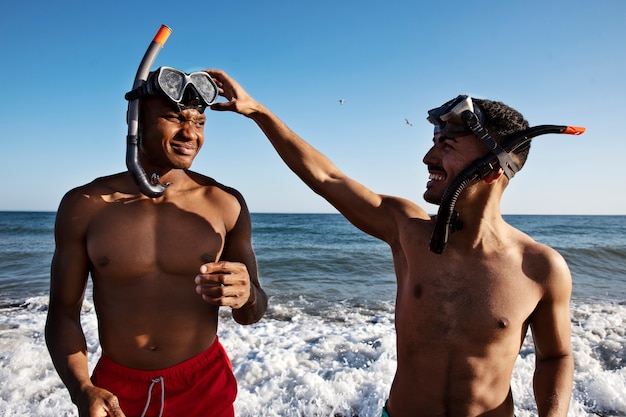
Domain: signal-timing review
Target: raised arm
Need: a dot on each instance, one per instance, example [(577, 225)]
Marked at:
[(64, 334), (551, 327), (373, 213)]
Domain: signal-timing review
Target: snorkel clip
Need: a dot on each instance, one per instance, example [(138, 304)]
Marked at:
[(155, 179)]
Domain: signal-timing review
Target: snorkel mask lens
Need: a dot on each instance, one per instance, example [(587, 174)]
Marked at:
[(174, 83), (448, 120), (180, 88)]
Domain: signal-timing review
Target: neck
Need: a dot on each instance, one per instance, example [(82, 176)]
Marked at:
[(175, 179), (482, 222)]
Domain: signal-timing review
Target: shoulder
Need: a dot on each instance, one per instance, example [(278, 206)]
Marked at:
[(229, 201), (81, 202), (403, 208), (546, 267), (93, 191), (405, 220), (211, 188)]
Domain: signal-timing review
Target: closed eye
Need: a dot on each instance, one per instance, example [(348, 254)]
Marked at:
[(179, 118), (172, 117)]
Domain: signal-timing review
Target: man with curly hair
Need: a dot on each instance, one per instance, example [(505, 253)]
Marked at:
[(462, 315)]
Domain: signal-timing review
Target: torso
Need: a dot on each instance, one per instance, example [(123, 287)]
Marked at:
[(460, 322), (144, 255)]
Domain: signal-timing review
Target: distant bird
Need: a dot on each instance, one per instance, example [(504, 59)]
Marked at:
[(341, 101), (408, 122)]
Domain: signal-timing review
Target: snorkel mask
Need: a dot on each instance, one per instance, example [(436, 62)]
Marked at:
[(460, 117), (187, 91)]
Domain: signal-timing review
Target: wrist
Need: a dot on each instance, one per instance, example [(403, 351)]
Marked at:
[(251, 297), (257, 111)]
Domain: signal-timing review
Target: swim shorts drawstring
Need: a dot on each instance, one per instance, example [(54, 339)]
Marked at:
[(155, 381)]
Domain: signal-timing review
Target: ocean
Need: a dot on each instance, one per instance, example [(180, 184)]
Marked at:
[(326, 346)]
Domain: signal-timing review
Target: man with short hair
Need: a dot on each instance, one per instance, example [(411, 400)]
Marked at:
[(461, 314), (161, 268)]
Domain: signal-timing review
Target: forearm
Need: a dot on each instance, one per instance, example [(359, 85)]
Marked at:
[(254, 309), (68, 350), (553, 386), (305, 161)]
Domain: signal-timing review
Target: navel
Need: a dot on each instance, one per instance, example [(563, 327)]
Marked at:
[(103, 261)]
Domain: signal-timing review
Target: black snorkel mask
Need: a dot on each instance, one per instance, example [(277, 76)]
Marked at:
[(187, 91), (460, 117)]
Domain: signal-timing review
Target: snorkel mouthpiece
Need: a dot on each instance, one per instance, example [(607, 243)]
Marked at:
[(500, 157), (150, 187)]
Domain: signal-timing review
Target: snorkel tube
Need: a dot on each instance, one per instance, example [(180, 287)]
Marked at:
[(150, 187), (446, 216)]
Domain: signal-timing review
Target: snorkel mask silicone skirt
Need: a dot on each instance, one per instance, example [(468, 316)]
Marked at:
[(196, 90), (460, 117)]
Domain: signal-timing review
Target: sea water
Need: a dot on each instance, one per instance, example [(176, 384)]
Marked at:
[(326, 346)]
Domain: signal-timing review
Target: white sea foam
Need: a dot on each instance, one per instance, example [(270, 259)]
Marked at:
[(296, 364)]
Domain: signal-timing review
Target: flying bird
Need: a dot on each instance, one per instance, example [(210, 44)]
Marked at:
[(408, 122), (341, 101)]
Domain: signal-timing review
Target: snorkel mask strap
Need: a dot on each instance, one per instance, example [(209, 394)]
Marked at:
[(150, 187), (137, 93), (509, 167)]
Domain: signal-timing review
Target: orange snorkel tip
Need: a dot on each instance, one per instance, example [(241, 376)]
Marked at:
[(162, 35), (574, 130)]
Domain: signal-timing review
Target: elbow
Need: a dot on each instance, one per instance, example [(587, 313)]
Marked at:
[(253, 311)]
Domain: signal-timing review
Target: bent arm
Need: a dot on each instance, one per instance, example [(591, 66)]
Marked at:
[(238, 248), (68, 279), (551, 327)]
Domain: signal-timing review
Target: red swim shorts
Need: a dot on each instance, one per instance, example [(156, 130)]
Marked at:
[(201, 386)]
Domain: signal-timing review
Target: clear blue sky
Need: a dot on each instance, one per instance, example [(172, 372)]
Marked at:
[(67, 64)]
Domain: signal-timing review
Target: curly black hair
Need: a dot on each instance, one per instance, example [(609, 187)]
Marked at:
[(502, 120)]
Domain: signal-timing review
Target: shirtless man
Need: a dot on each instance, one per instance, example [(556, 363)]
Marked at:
[(161, 269), (461, 316)]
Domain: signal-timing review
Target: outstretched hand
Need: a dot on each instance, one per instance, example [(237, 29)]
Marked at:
[(238, 100), (224, 284)]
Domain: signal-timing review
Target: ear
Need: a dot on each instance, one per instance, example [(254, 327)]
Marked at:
[(493, 176)]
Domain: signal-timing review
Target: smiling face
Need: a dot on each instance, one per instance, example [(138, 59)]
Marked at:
[(447, 158), (170, 139)]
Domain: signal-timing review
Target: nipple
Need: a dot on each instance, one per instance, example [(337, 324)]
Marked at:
[(417, 291)]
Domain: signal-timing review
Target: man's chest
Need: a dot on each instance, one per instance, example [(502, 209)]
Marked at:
[(469, 300), (128, 243)]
